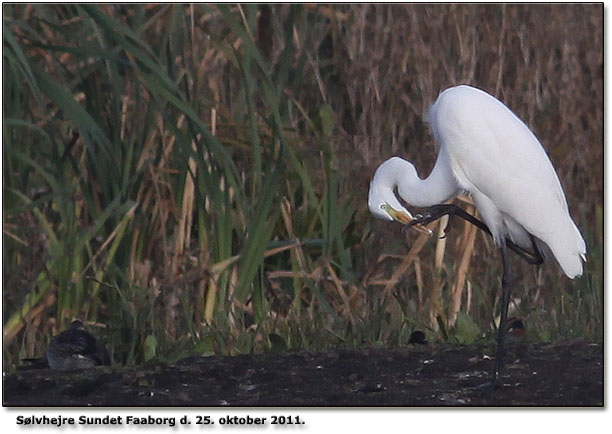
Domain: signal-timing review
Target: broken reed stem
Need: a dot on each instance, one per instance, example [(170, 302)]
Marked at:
[(466, 248)]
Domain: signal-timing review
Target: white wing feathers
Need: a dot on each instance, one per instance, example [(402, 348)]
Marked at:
[(502, 164)]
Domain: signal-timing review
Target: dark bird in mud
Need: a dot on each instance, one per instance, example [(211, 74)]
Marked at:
[(417, 337), (516, 328), (74, 348)]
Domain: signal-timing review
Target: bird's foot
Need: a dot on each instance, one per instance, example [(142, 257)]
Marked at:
[(432, 214), (422, 219), (487, 388)]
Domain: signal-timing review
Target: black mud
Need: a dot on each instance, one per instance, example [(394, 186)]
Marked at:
[(559, 374)]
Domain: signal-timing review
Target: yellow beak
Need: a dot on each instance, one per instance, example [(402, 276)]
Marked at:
[(405, 218), (400, 216)]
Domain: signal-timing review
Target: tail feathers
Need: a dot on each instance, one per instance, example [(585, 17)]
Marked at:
[(572, 268), (570, 251)]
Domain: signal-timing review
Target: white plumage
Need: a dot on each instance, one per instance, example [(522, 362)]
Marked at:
[(488, 152)]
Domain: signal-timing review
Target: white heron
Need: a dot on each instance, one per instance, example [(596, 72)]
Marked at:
[(488, 152)]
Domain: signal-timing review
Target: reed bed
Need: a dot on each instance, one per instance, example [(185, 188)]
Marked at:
[(192, 179)]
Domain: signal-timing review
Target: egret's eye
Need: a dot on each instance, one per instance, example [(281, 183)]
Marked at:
[(383, 206)]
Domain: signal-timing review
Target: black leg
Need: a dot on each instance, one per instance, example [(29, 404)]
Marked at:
[(534, 257), (501, 331), (437, 211)]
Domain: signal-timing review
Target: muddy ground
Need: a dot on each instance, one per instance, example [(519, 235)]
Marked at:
[(558, 374)]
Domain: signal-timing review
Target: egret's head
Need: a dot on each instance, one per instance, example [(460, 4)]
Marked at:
[(389, 209), (382, 200)]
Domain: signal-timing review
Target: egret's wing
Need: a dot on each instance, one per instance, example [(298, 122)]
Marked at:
[(494, 153)]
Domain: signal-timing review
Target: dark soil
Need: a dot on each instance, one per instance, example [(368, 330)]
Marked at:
[(559, 374)]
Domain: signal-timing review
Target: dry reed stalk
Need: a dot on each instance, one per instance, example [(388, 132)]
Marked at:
[(6, 232), (357, 299), (466, 248), (468, 297), (418, 274), (183, 229), (233, 282), (132, 263), (183, 239), (211, 289), (340, 290), (123, 122), (408, 260), (148, 151), (436, 292), (211, 296), (221, 266), (245, 21), (192, 23), (368, 280), (31, 333)]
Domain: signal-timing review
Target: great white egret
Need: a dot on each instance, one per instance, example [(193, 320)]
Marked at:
[(488, 152)]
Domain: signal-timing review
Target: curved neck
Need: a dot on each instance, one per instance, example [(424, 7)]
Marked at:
[(437, 188)]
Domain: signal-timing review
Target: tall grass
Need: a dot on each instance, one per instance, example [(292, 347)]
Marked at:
[(193, 178)]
